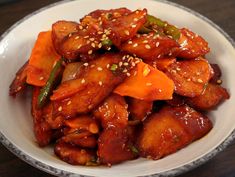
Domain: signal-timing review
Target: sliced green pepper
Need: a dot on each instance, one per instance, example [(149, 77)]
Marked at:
[(107, 43), (47, 88), (168, 29)]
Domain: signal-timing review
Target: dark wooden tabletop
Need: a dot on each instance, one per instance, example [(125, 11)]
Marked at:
[(220, 12)]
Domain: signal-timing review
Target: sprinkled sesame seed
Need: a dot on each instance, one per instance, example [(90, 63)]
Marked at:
[(99, 69), (100, 83), (19, 88), (219, 81), (157, 44), (41, 78), (93, 44), (70, 34), (92, 66), (69, 102), (133, 26), (83, 81), (88, 42), (145, 41), (127, 32), (148, 84), (114, 20), (125, 64), (77, 37), (92, 39), (199, 80), (100, 45), (79, 46), (60, 108), (128, 74), (135, 19), (80, 27), (130, 42), (85, 37), (85, 64), (147, 46), (173, 71), (135, 45), (189, 79), (100, 32), (108, 65), (120, 64), (178, 69), (90, 52), (124, 71)]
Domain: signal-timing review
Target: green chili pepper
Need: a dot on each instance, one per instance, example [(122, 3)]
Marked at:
[(113, 67), (46, 90), (168, 29), (107, 42), (134, 149)]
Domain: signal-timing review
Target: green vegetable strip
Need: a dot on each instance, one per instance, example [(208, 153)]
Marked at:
[(167, 28), (46, 90), (107, 42)]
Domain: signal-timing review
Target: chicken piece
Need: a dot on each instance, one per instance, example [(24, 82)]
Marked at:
[(42, 130), (191, 45), (82, 122), (112, 112), (190, 76), (74, 155), (210, 98), (124, 27), (81, 139), (150, 46), (97, 81), (170, 130), (60, 30), (114, 146), (139, 109), (177, 100), (19, 82)]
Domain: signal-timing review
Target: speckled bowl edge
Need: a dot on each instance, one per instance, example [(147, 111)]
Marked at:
[(170, 173)]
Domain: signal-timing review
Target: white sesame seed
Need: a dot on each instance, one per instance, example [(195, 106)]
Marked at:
[(41, 78), (108, 65), (147, 46), (77, 37), (100, 83), (133, 26), (127, 32), (99, 69), (19, 88), (157, 44), (148, 84), (145, 41), (90, 52), (130, 42), (80, 27), (85, 37), (83, 81), (128, 74), (93, 44), (92, 39), (178, 69), (135, 19), (60, 108), (69, 102), (200, 81), (135, 45), (79, 46), (120, 64), (85, 64), (100, 45), (125, 64)]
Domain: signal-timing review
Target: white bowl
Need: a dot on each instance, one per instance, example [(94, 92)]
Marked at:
[(15, 118)]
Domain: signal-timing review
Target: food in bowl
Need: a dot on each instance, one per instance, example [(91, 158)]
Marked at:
[(119, 85)]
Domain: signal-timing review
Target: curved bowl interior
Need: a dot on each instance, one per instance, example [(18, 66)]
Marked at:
[(15, 118)]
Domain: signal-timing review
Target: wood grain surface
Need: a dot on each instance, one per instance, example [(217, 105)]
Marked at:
[(220, 12)]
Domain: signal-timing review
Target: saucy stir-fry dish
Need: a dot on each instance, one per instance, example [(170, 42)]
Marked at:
[(118, 85)]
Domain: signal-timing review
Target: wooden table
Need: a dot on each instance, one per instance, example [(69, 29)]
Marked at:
[(220, 12)]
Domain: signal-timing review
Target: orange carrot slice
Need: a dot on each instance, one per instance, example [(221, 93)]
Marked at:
[(146, 83), (42, 59)]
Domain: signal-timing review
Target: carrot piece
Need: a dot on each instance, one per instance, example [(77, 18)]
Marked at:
[(161, 63), (146, 83), (42, 59)]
